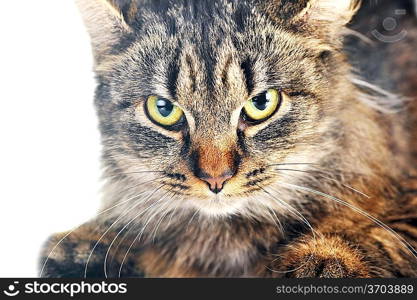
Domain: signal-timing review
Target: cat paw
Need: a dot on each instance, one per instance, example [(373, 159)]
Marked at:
[(83, 254), (325, 257), (322, 267), (63, 257)]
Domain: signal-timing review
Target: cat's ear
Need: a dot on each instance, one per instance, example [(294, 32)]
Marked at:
[(330, 12), (326, 17), (105, 23)]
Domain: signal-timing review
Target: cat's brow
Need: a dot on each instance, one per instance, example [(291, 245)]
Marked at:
[(247, 68), (173, 71), (192, 74), (225, 72)]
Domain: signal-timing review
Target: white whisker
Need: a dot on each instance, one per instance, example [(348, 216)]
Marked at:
[(303, 219), (403, 242), (160, 221), (124, 213), (126, 225), (78, 227), (137, 238), (328, 178)]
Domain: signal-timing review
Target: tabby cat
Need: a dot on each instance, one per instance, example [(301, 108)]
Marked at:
[(250, 138)]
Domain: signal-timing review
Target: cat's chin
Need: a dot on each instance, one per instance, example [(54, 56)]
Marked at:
[(218, 208)]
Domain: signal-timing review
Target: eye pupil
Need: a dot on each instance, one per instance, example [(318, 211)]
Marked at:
[(261, 102), (165, 107)]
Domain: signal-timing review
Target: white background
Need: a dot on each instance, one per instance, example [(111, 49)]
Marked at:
[(49, 142)]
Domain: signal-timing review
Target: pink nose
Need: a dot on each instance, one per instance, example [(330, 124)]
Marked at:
[(216, 184)]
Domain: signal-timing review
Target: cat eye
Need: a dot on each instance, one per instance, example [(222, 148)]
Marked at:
[(263, 106), (163, 111)]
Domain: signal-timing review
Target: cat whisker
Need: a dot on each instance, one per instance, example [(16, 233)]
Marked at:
[(123, 214), (316, 166), (328, 178), (378, 222), (161, 219), (127, 224), (132, 173), (193, 216), (303, 219), (116, 250), (137, 238), (276, 220), (271, 213), (173, 212), (292, 164), (144, 202), (140, 184), (288, 207), (78, 227), (169, 222)]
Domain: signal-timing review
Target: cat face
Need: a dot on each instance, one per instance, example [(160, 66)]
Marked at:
[(205, 101)]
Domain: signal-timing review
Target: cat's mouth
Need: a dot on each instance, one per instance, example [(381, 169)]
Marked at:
[(224, 197), (220, 205)]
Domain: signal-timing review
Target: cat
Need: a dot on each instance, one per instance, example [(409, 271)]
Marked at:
[(249, 139)]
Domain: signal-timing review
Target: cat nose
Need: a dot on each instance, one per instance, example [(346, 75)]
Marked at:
[(214, 165), (216, 184)]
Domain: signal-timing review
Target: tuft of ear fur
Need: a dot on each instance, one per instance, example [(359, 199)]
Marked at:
[(333, 12), (323, 18), (105, 23)]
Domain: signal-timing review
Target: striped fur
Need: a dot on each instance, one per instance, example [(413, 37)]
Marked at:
[(327, 187)]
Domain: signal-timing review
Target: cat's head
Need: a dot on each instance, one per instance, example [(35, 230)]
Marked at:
[(200, 102)]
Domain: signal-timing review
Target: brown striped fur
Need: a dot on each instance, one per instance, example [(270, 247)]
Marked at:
[(327, 187)]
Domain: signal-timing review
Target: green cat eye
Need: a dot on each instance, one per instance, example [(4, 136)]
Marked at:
[(263, 106), (163, 111)]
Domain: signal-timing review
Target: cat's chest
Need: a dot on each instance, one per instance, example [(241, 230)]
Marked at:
[(240, 255)]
